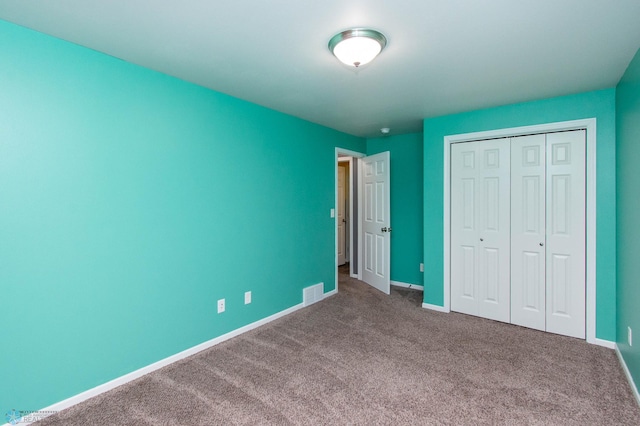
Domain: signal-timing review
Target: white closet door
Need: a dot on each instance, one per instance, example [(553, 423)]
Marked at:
[(528, 231), (494, 238), (565, 275), (464, 227), (480, 242)]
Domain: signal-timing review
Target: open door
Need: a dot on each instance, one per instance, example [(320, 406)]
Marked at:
[(376, 221)]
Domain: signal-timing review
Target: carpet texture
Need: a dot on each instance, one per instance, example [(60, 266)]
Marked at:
[(363, 358)]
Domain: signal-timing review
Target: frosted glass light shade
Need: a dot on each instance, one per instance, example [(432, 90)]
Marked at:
[(358, 46)]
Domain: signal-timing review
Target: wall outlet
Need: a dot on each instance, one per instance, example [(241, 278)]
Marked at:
[(422, 267), (220, 306), (333, 213), (629, 336), (247, 297)]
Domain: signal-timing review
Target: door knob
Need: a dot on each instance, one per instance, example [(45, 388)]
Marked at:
[(481, 239), (541, 244), (384, 229)]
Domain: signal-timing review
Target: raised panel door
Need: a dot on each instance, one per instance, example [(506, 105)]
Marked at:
[(528, 231), (376, 224), (493, 229), (464, 230), (566, 242), (480, 228)]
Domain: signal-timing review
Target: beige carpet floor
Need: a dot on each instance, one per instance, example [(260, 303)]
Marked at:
[(363, 358)]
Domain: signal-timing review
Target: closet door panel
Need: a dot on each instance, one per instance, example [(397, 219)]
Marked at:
[(493, 237), (464, 228), (565, 254), (528, 231)]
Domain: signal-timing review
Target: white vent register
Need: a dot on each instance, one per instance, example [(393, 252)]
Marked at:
[(312, 294)]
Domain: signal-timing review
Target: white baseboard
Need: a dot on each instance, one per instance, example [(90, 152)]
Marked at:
[(69, 402), (331, 293), (406, 285), (435, 308), (627, 373), (606, 343)]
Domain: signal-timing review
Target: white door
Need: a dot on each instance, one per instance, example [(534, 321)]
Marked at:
[(342, 220), (528, 229), (544, 257), (480, 234), (565, 293), (376, 223), (464, 228)]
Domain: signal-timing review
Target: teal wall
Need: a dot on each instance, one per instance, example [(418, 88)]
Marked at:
[(406, 203), (598, 104), (628, 199), (130, 202)]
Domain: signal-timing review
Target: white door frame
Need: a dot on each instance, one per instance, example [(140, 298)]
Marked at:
[(589, 125), (353, 154)]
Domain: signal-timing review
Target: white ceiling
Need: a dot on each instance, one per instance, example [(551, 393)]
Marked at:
[(442, 57)]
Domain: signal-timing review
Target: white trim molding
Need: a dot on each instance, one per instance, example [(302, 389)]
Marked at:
[(407, 285), (69, 402), (604, 343), (588, 124), (435, 308), (331, 293), (627, 373)]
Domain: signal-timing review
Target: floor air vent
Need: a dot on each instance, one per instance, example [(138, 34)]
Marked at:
[(312, 294)]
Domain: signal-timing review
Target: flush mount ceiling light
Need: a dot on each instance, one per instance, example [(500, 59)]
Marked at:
[(357, 46)]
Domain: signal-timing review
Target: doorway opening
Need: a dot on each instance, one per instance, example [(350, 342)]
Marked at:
[(343, 211), (367, 225), (347, 256)]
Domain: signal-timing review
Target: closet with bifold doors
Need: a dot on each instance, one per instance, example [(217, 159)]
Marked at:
[(518, 234)]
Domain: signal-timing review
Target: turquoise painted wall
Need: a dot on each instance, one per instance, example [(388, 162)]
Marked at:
[(628, 206), (598, 104), (130, 202), (406, 203)]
